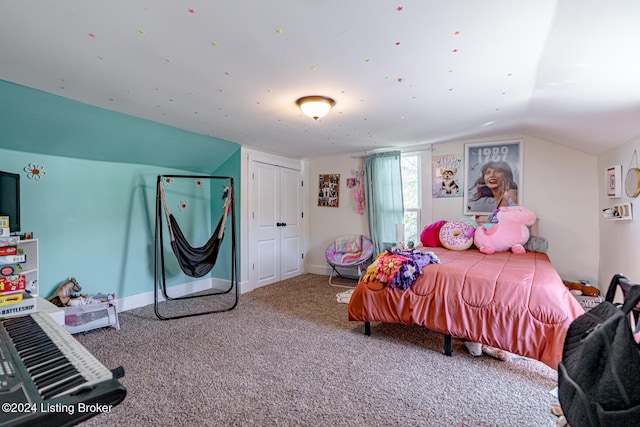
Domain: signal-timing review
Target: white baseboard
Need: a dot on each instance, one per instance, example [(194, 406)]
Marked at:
[(323, 270), (147, 298)]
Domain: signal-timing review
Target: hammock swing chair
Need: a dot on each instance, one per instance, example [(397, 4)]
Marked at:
[(194, 261)]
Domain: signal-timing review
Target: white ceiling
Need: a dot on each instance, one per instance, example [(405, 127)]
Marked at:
[(402, 73)]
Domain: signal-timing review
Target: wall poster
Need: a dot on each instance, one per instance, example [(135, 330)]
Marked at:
[(447, 178), (493, 176), (329, 190)]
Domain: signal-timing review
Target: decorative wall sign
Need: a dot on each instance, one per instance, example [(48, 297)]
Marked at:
[(493, 176), (329, 190), (613, 180)]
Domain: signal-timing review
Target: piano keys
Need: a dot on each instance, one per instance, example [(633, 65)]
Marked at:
[(48, 377)]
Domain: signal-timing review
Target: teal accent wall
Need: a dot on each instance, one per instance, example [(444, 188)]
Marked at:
[(95, 218), (230, 168), (39, 122)]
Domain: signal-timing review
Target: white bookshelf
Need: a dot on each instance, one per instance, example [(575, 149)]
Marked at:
[(30, 267)]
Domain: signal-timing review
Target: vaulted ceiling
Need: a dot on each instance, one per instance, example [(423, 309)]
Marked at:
[(402, 73)]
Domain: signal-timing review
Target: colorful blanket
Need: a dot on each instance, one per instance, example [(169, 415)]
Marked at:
[(399, 268)]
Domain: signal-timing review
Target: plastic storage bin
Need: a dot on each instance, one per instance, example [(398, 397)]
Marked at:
[(91, 316)]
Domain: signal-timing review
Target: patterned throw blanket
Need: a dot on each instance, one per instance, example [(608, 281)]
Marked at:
[(399, 268)]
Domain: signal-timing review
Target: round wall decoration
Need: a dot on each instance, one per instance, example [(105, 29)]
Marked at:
[(632, 182)]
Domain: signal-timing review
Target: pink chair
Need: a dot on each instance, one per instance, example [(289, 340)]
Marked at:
[(349, 252)]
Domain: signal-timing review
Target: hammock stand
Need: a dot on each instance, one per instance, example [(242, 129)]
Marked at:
[(194, 262)]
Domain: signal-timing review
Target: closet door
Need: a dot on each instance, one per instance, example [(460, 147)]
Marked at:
[(276, 218), (291, 224), (265, 232)]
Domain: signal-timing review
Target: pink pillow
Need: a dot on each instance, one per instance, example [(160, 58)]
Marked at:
[(430, 236)]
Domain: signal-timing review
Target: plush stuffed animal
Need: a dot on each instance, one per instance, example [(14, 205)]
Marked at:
[(65, 291), (510, 233)]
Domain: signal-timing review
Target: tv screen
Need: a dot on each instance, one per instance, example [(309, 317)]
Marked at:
[(10, 199)]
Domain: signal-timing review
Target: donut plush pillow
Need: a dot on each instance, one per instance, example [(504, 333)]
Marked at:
[(457, 235), (430, 236)]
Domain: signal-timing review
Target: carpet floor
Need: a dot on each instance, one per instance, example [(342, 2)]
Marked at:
[(288, 356)]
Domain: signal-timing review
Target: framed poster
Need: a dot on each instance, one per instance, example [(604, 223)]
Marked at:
[(613, 181), (493, 176), (329, 190), (446, 180)]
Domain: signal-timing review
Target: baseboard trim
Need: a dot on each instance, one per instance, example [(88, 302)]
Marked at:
[(147, 298), (323, 270)]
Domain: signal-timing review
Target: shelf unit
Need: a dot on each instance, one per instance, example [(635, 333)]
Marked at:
[(621, 212), (30, 267)]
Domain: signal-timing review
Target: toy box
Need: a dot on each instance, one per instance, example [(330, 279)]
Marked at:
[(26, 306), (16, 282), (84, 318), (9, 241), (8, 250), (9, 299)]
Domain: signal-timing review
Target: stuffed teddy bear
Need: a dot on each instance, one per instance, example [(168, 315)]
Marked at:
[(510, 233)]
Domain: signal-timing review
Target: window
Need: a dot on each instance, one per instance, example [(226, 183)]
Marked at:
[(411, 191)]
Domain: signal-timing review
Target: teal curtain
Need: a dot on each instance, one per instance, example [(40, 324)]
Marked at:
[(383, 193)]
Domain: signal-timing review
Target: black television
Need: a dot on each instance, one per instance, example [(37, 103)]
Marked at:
[(10, 199)]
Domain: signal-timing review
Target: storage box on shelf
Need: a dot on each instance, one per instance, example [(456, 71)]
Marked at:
[(12, 281), (23, 277), (29, 268)]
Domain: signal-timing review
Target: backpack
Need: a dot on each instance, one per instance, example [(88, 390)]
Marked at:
[(599, 375)]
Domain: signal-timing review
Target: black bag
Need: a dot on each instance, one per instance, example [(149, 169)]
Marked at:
[(599, 375)]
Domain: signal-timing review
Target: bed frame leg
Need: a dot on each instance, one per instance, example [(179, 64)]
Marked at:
[(448, 346), (367, 328)]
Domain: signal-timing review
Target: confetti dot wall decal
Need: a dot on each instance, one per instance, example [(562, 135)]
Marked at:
[(214, 43), (279, 31), (91, 35), (399, 8), (191, 10), (141, 31)]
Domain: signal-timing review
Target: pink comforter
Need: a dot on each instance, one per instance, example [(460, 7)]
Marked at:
[(516, 302)]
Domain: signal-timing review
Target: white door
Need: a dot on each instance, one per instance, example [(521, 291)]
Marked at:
[(275, 223), (291, 224)]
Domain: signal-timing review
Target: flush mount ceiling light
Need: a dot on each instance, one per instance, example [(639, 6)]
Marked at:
[(315, 106)]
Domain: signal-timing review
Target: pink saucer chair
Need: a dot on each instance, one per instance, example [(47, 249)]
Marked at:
[(349, 252)]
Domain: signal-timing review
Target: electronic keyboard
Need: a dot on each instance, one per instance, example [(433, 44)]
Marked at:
[(48, 378)]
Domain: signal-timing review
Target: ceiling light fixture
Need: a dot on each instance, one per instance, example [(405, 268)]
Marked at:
[(315, 106)]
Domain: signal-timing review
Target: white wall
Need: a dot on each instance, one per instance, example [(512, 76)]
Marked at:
[(325, 224), (560, 184), (619, 248)]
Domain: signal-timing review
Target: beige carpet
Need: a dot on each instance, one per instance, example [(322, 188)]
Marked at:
[(288, 356)]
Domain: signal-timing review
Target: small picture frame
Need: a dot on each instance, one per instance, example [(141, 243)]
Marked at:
[(329, 190), (613, 181)]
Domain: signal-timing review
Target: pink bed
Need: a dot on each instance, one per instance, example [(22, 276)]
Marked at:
[(516, 302)]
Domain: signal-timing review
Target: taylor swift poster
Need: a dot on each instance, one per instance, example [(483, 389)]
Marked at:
[(493, 176)]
